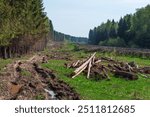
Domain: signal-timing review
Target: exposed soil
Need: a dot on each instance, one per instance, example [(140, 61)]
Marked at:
[(26, 80), (117, 50)]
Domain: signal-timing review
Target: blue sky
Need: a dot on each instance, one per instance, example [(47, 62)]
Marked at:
[(77, 17)]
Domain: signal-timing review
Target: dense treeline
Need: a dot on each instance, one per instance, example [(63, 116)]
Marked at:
[(24, 27), (58, 36), (130, 31)]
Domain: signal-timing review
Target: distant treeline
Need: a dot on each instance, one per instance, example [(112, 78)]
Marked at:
[(24, 27), (58, 36), (132, 30)]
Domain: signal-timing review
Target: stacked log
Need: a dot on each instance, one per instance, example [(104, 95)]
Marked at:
[(101, 67), (89, 67)]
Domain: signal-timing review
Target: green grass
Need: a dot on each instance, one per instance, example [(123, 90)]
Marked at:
[(115, 89), (39, 97), (126, 58), (139, 61), (4, 62)]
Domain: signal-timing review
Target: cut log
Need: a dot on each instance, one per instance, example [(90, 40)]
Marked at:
[(112, 68), (117, 67), (79, 71), (132, 64), (127, 75), (108, 59), (93, 60), (76, 63), (105, 73), (84, 64), (130, 68), (98, 61), (89, 69), (146, 70)]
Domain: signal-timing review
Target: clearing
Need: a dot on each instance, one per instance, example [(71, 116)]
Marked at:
[(63, 86)]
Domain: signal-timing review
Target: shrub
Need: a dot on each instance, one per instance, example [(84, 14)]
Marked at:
[(116, 42)]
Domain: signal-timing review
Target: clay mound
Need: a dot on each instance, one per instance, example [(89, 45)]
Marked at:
[(26, 80)]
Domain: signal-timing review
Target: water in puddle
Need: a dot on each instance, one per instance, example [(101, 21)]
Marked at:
[(52, 94)]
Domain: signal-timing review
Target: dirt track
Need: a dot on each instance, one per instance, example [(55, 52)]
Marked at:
[(24, 80)]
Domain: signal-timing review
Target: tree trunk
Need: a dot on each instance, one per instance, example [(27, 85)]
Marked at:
[(5, 53), (9, 52), (1, 52)]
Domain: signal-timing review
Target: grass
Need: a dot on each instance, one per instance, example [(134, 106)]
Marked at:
[(115, 89), (127, 58), (39, 97), (4, 62)]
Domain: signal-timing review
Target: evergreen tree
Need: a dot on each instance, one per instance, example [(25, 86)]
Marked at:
[(23, 21), (141, 27), (130, 31)]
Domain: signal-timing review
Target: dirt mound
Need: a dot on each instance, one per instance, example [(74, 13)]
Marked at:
[(26, 80)]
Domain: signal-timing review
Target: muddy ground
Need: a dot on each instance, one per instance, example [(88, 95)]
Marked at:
[(26, 80)]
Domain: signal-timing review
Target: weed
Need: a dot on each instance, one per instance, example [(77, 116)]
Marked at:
[(40, 97)]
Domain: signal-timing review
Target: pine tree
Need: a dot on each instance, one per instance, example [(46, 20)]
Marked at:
[(23, 21)]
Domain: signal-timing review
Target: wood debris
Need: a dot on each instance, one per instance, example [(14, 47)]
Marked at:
[(100, 68)]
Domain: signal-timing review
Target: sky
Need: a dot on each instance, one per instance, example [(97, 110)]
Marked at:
[(77, 17)]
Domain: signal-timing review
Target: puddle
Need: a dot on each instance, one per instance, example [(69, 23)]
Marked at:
[(52, 94)]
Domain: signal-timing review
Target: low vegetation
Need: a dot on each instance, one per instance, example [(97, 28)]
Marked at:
[(116, 88), (3, 63)]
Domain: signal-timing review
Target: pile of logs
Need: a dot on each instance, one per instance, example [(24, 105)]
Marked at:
[(102, 67)]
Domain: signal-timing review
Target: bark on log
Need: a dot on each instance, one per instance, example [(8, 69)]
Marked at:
[(105, 73), (126, 75)]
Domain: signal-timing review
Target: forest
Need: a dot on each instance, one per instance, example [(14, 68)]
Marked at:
[(24, 27), (132, 30), (58, 36), (26, 23), (38, 62)]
